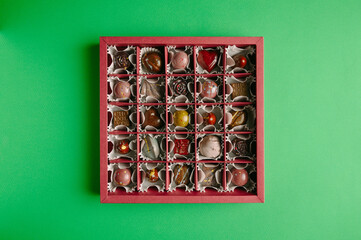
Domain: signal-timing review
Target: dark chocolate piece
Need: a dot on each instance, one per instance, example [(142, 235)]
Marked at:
[(121, 60), (180, 87), (152, 62), (240, 147), (152, 118), (151, 89)]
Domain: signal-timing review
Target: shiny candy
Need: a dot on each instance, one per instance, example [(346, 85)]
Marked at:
[(210, 146), (152, 62), (122, 176), (180, 60), (207, 59), (209, 89), (180, 87), (121, 60), (240, 60), (181, 118), (181, 146), (239, 177), (152, 118), (209, 118), (122, 90), (123, 146), (238, 118), (151, 148), (152, 175), (240, 147), (181, 174)]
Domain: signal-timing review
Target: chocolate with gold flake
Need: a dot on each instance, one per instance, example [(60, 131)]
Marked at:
[(121, 118)]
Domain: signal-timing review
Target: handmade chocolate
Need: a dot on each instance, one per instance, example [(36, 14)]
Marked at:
[(209, 118), (151, 148), (122, 176), (181, 118), (210, 146), (180, 60), (152, 62), (210, 176), (122, 90), (209, 89), (207, 59), (152, 175), (179, 87), (121, 60), (121, 118), (239, 177), (239, 60), (152, 118), (123, 146), (238, 118), (181, 174), (181, 146), (240, 147), (151, 89), (239, 89)]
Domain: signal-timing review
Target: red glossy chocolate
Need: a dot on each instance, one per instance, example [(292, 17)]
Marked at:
[(123, 146), (152, 175), (209, 118), (181, 146), (122, 176), (239, 177), (240, 60), (209, 89), (207, 59)]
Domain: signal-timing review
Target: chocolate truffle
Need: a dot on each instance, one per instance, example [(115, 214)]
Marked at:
[(181, 174), (152, 62), (122, 90), (181, 118), (122, 176), (180, 60), (239, 89), (238, 118), (239, 177), (121, 118), (152, 118), (207, 59), (209, 89), (151, 89), (240, 147), (121, 60), (123, 146), (151, 148), (179, 87), (209, 118), (210, 146), (239, 60), (152, 175), (210, 176), (181, 146)]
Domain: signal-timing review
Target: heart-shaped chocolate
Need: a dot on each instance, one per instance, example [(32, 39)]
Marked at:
[(152, 118), (207, 59)]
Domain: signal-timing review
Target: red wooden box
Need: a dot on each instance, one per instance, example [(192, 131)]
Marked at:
[(180, 195)]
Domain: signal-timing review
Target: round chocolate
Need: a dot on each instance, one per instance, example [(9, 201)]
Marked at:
[(122, 90), (209, 89), (210, 146), (152, 175), (209, 118), (240, 147), (181, 174), (152, 62), (181, 118), (122, 60), (151, 148), (123, 146), (152, 118), (239, 177), (240, 60), (180, 60), (180, 87), (122, 176)]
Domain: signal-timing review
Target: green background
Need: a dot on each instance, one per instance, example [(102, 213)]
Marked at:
[(49, 147)]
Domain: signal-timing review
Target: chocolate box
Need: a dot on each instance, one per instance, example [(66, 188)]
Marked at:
[(181, 120)]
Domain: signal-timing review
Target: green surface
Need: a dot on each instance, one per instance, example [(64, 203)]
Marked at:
[(49, 165)]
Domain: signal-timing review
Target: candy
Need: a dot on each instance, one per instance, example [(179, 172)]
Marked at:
[(210, 146), (121, 118), (179, 87), (181, 146), (239, 177), (180, 60), (152, 175), (209, 118), (151, 148), (122, 176), (151, 89), (152, 118), (239, 89), (152, 62), (239, 60), (209, 89), (238, 118), (121, 60), (181, 118), (123, 146), (207, 59), (210, 176), (181, 174), (122, 90), (240, 147)]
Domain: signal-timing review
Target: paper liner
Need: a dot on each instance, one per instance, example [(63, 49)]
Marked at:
[(132, 114), (142, 69), (172, 50), (250, 186), (145, 183), (171, 139), (160, 109), (219, 66), (246, 52), (188, 98), (218, 176), (202, 126), (115, 139), (133, 89), (250, 97), (172, 109), (161, 139), (199, 140), (144, 98), (250, 124), (188, 187), (218, 80), (112, 185), (249, 138), (132, 52)]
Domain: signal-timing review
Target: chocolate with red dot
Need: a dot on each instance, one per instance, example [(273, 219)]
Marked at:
[(180, 87)]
